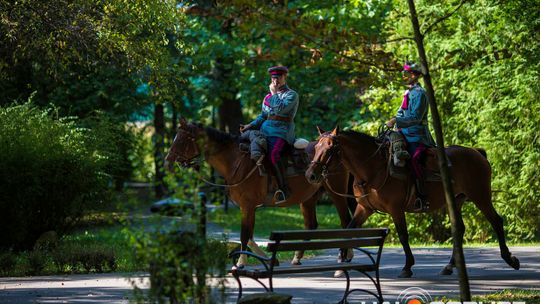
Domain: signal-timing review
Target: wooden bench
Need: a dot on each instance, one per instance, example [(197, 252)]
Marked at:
[(317, 240)]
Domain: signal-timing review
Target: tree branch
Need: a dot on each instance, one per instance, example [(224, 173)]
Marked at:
[(399, 39), (430, 27)]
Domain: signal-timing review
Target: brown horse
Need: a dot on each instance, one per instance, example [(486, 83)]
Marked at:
[(366, 158), (246, 187)]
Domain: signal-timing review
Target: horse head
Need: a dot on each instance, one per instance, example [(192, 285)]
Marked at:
[(325, 150), (185, 147)]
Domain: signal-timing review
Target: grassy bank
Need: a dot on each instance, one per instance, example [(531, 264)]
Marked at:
[(270, 219), (504, 296)]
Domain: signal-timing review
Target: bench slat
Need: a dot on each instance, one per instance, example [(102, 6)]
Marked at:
[(327, 234), (326, 244), (263, 273)]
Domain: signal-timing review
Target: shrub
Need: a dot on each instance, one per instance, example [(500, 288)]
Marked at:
[(75, 258), (49, 174), (8, 260), (179, 256), (36, 261)]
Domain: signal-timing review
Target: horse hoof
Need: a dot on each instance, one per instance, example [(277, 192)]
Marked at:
[(405, 274), (446, 271), (339, 274), (237, 267), (295, 262)]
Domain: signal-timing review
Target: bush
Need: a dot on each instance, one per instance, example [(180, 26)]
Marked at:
[(50, 174), (8, 260), (85, 258), (185, 266), (36, 261)]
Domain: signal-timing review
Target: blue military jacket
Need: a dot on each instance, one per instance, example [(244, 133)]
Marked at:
[(412, 116), (284, 103)]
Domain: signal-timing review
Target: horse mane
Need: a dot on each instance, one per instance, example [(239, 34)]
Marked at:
[(358, 136), (220, 137)]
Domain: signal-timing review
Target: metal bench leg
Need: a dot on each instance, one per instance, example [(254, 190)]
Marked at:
[(237, 277), (346, 294), (378, 285)]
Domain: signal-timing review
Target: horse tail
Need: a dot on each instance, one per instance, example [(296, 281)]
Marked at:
[(351, 202), (482, 151)]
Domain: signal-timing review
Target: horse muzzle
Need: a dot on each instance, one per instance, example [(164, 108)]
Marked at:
[(312, 177)]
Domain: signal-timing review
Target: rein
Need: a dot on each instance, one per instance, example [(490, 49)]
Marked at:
[(363, 185), (226, 185), (191, 161)]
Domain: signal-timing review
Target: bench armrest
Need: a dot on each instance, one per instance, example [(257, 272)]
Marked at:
[(368, 253)]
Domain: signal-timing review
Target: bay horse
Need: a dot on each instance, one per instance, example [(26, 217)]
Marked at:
[(364, 156), (248, 190)]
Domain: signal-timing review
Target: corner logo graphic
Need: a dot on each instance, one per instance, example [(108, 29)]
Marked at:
[(414, 295)]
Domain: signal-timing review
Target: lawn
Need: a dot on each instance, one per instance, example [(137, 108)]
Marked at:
[(290, 218), (505, 296)]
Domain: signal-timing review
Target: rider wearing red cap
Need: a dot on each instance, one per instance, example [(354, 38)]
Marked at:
[(276, 122), (412, 122)]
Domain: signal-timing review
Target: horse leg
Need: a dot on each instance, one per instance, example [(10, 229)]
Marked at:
[(255, 248), (246, 233), (401, 228), (449, 268), (342, 206), (361, 214), (486, 207), (309, 211)]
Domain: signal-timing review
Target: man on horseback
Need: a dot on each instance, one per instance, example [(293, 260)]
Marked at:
[(411, 121), (276, 122)]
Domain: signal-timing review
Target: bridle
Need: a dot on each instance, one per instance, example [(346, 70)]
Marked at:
[(196, 159), (180, 157), (331, 152), (325, 165)]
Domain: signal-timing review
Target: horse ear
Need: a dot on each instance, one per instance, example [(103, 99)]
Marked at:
[(183, 122), (321, 131), (335, 131)]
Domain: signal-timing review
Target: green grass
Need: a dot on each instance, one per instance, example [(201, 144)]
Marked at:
[(271, 219), (528, 296), (290, 218), (115, 237)]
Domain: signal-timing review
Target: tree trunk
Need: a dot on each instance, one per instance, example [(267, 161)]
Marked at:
[(159, 144), (174, 121), (454, 214), (229, 110)]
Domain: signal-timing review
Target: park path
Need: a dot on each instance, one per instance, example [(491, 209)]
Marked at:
[(487, 273)]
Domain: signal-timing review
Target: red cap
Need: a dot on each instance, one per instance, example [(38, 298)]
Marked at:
[(278, 71)]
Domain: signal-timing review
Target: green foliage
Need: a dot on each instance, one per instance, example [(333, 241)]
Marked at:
[(49, 175), (179, 257), (87, 55), (483, 58), (84, 258), (8, 261), (36, 262)]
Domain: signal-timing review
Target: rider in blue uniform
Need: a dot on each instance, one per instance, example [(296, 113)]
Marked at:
[(276, 122), (412, 121)]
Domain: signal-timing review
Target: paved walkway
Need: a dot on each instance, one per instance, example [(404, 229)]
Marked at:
[(487, 273)]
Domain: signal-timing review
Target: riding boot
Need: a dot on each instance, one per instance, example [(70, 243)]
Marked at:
[(421, 203), (283, 192)]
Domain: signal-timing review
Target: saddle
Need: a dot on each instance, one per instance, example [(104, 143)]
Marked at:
[(429, 163), (295, 158)]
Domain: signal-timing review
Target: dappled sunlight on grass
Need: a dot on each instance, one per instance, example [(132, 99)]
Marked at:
[(271, 219)]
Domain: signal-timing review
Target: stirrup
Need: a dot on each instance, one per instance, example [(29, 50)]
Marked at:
[(420, 205), (279, 197), (259, 160)]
